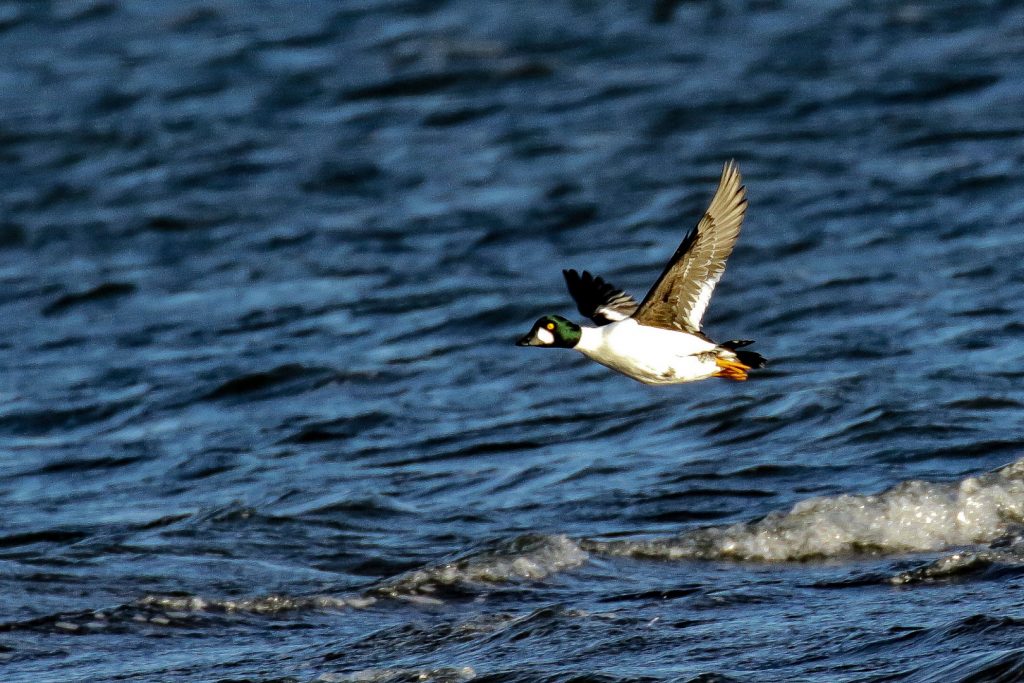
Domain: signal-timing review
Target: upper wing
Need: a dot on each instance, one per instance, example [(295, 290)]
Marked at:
[(681, 295), (597, 299)]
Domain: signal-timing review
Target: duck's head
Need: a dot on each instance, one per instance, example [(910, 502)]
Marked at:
[(554, 331)]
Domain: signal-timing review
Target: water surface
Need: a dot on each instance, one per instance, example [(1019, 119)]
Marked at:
[(261, 417)]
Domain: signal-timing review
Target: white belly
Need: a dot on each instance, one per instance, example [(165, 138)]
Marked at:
[(649, 354)]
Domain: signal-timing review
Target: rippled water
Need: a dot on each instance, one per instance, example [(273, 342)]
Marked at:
[(262, 266)]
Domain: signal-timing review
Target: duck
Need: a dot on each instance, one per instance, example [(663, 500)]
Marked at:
[(659, 340)]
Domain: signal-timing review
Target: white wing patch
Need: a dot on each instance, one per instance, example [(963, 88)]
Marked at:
[(702, 299), (612, 314)]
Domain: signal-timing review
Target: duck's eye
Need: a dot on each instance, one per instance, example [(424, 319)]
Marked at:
[(550, 326)]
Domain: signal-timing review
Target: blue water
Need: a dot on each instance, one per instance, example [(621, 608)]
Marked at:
[(263, 265)]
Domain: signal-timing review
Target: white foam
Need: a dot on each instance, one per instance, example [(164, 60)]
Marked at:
[(443, 675), (267, 604), (530, 558), (913, 516), (526, 558)]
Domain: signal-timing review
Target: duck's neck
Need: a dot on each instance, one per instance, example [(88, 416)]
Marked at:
[(590, 341)]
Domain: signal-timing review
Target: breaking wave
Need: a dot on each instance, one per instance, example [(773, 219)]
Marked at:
[(914, 516)]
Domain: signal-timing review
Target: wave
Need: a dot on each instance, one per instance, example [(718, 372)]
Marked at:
[(914, 516), (1001, 666), (521, 560), (442, 675), (1005, 554), (526, 558)]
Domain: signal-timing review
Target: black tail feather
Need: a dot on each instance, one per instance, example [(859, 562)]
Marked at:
[(751, 359), (748, 358)]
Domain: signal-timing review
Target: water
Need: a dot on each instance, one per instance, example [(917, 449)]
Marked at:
[(262, 266)]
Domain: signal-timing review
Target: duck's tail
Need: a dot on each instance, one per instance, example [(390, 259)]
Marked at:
[(736, 368)]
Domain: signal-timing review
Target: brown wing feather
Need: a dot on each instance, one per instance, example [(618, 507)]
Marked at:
[(681, 295)]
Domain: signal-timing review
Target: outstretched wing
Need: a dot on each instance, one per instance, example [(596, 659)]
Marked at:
[(598, 299), (681, 295)]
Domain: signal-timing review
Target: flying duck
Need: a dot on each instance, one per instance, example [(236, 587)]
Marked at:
[(659, 341)]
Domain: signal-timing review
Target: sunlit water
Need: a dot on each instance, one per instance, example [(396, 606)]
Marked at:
[(262, 265)]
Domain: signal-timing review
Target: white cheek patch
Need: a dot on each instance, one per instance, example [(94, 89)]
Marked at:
[(545, 336)]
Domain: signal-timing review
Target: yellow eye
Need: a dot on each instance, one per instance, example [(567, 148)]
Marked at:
[(550, 326)]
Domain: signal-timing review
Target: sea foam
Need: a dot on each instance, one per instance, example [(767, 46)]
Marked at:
[(913, 516)]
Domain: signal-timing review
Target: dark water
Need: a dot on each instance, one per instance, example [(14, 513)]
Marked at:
[(262, 265)]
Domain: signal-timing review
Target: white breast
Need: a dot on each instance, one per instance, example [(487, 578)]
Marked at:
[(649, 354)]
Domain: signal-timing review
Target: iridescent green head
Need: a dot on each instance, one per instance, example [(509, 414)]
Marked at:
[(554, 331)]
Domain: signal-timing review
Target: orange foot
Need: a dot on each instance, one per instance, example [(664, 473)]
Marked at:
[(731, 369)]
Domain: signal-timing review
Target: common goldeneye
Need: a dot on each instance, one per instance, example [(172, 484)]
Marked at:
[(659, 341)]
